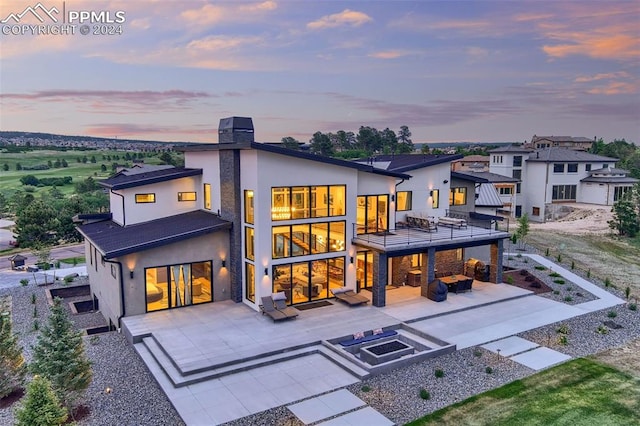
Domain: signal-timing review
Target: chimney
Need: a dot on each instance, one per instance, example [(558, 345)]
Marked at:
[(235, 130)]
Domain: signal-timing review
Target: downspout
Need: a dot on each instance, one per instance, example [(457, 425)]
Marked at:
[(395, 203), (122, 306), (124, 216)]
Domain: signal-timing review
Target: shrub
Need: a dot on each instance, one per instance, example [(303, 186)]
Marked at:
[(488, 370), (439, 373), (607, 282), (563, 329), (477, 353), (24, 282), (35, 312), (627, 292), (546, 252), (509, 279), (540, 267), (632, 307), (68, 279), (559, 281), (602, 330), (569, 288), (526, 260), (568, 298), (612, 314), (524, 272), (36, 325), (33, 298), (365, 388), (556, 292), (588, 273), (554, 274), (559, 257), (12, 365), (41, 406), (519, 255), (573, 265), (562, 340), (424, 394)]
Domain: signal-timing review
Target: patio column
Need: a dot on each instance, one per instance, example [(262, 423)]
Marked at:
[(497, 251), (431, 264), (380, 273)]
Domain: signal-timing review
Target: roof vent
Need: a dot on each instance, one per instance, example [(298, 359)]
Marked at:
[(235, 130)]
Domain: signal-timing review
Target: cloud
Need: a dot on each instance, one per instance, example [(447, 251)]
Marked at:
[(595, 45), (388, 54), (217, 43), (347, 17), (227, 13), (602, 76)]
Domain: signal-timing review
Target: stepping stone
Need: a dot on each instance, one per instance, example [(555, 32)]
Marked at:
[(510, 346), (366, 416), (325, 406), (540, 358)]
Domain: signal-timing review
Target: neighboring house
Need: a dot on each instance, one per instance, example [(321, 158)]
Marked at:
[(471, 163), (553, 176), (495, 194), (568, 142), (244, 219)]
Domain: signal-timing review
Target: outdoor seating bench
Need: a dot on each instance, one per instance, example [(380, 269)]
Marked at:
[(452, 221), (368, 338)]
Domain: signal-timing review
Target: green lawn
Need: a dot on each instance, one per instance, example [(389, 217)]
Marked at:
[(579, 392)]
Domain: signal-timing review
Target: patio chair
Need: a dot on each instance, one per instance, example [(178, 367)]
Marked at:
[(349, 296), (268, 308), (280, 302)]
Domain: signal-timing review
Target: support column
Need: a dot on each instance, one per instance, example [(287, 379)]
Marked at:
[(497, 252), (231, 209), (380, 273), (431, 264)]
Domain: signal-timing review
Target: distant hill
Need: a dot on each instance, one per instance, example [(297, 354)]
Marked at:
[(56, 137)]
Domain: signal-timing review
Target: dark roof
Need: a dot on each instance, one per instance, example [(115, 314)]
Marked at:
[(114, 240), (556, 154), (609, 179), (484, 177), (408, 162), (293, 153), (511, 148), (17, 257), (121, 180)]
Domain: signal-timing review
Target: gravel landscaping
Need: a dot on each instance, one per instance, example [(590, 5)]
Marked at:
[(123, 392)]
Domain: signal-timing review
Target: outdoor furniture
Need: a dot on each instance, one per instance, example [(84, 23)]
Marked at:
[(268, 308), (457, 283), (349, 296), (280, 302), (427, 223), (452, 222), (367, 337), (437, 291)]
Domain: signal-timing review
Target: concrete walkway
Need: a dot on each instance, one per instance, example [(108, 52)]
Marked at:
[(200, 337)]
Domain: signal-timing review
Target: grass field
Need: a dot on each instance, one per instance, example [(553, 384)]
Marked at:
[(579, 392), (10, 180)]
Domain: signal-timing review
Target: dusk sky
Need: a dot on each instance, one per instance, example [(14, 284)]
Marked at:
[(477, 71)]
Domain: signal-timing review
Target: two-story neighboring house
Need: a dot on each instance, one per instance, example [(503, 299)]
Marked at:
[(569, 142), (553, 176), (243, 220)]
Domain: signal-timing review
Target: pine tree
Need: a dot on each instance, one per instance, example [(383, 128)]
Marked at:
[(59, 356), (12, 365), (41, 406)]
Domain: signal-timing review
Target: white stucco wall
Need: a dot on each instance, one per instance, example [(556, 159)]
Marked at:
[(209, 162), (421, 183)]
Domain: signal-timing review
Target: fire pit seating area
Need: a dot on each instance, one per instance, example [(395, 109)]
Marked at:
[(452, 222), (423, 222), (367, 336)]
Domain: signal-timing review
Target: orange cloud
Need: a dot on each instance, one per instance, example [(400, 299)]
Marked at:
[(345, 18), (615, 88), (388, 54), (599, 46), (602, 76)]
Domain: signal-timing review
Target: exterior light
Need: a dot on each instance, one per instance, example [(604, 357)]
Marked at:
[(351, 259), (223, 263), (266, 271), (131, 273)]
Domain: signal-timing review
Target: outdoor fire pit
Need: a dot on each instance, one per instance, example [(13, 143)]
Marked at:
[(383, 352)]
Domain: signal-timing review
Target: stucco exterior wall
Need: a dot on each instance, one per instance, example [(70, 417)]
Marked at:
[(209, 162), (421, 183), (104, 285)]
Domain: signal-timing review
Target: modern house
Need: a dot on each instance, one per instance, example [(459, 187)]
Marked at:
[(568, 142), (554, 176), (471, 163), (244, 219), (495, 194)]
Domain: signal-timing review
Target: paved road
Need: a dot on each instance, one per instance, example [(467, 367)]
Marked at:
[(76, 250)]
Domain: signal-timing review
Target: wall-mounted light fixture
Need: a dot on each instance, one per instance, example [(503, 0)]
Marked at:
[(351, 259), (393, 198), (223, 263), (431, 193), (131, 273), (266, 271), (445, 181)]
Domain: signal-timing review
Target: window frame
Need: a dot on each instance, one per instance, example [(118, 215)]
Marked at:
[(181, 196), (558, 168), (139, 198), (408, 201), (457, 190), (571, 166)]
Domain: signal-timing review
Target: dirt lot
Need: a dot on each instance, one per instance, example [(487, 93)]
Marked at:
[(584, 236), (625, 358)]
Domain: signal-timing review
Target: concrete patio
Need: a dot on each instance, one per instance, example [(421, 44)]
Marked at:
[(223, 361)]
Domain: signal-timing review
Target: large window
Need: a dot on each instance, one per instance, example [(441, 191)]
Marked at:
[(572, 167), (517, 161), (435, 198), (248, 206), (372, 214), (506, 190), (186, 196), (207, 196), (517, 174), (308, 238), (619, 191), (558, 168), (403, 201), (250, 281), (587, 167), (458, 196), (174, 286), (145, 198), (305, 281), (249, 243), (563, 192), (300, 202)]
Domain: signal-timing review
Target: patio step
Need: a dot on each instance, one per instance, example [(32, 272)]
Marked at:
[(352, 367), (179, 380)]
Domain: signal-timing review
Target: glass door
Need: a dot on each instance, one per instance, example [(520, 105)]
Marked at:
[(364, 270)]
